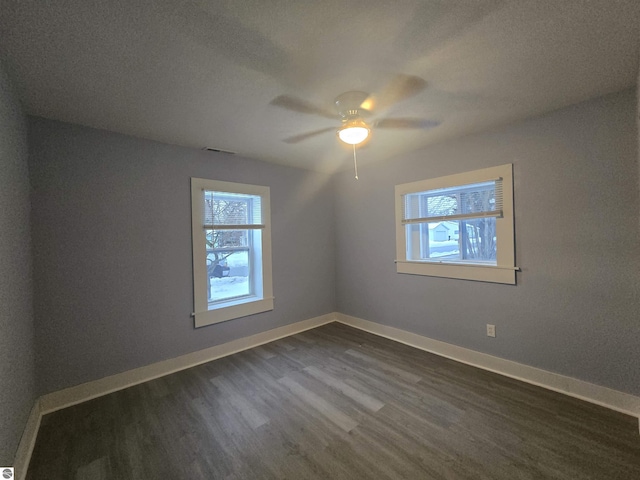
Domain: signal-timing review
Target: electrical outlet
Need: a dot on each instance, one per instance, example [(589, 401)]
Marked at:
[(491, 330)]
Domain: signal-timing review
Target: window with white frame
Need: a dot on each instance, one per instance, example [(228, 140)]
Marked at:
[(231, 250), (458, 226)]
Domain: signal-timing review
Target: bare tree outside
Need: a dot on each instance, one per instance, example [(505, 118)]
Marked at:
[(224, 211), (478, 237)]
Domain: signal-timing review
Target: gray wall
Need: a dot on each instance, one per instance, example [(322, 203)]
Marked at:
[(112, 250), (575, 308), (17, 378)]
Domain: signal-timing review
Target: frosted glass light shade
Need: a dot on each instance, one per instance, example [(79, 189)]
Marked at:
[(354, 132)]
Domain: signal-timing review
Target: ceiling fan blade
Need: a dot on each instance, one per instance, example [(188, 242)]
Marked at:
[(298, 105), (304, 136), (400, 88), (406, 123)]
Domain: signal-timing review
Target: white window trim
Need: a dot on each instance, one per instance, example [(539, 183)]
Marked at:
[(504, 271), (208, 314)]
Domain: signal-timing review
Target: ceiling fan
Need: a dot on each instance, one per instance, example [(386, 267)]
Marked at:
[(353, 107)]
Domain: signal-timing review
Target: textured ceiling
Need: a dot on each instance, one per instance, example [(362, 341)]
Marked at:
[(203, 73)]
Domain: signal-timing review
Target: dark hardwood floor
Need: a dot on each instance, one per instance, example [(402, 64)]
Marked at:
[(336, 403)]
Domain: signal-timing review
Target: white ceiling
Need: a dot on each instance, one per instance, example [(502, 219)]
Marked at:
[(202, 73)]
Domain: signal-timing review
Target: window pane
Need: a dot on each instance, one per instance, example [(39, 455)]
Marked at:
[(453, 241), (228, 264), (478, 240)]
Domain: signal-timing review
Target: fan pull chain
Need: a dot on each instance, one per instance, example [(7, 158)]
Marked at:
[(355, 162)]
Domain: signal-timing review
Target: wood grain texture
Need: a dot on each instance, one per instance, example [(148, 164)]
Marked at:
[(336, 403)]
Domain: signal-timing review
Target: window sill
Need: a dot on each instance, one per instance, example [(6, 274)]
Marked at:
[(231, 310), (476, 272)]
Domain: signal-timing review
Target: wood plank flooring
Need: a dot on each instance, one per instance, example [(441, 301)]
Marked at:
[(335, 403)]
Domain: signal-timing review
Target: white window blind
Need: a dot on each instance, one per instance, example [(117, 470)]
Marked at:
[(232, 211), (476, 200)]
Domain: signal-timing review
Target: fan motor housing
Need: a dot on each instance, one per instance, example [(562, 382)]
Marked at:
[(348, 104)]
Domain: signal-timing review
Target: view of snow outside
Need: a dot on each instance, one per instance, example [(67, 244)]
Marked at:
[(455, 248), (442, 240), (237, 283)]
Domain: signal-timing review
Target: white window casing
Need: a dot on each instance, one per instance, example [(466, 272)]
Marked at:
[(258, 247), (410, 212)]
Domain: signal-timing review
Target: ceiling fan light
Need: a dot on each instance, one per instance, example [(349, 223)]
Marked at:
[(354, 132)]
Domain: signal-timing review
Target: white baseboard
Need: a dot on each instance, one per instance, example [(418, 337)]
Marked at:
[(603, 396), (97, 388), (27, 442)]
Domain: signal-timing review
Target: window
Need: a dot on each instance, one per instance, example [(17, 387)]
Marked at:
[(459, 226), (231, 250)]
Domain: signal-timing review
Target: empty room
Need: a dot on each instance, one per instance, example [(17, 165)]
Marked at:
[(319, 240)]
